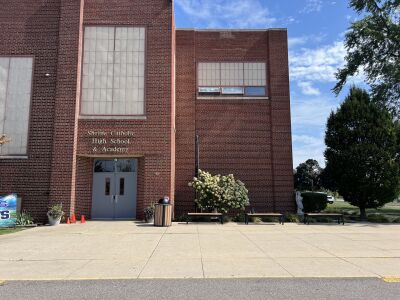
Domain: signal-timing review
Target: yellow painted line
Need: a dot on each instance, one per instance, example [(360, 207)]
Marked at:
[(180, 278), (391, 279)]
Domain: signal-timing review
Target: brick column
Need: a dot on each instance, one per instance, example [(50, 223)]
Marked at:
[(185, 120), (280, 122), (62, 185)]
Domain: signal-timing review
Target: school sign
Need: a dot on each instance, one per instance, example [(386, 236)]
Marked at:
[(8, 210)]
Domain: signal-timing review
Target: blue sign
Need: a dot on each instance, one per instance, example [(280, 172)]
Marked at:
[(8, 210)]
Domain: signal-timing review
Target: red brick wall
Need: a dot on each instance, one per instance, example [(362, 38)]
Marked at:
[(84, 182), (153, 138), (31, 28), (185, 120), (62, 185), (248, 138), (280, 120), (141, 203), (173, 111)]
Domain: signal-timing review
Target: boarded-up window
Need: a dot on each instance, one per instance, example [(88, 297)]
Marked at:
[(15, 101), (113, 71)]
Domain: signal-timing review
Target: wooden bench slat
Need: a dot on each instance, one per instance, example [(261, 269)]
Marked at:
[(247, 215), (339, 216), (265, 214), (204, 214), (323, 214)]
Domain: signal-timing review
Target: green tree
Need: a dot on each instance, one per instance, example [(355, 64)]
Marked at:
[(373, 45), (307, 176), (362, 152)]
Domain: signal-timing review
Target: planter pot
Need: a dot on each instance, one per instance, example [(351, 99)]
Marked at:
[(54, 221), (150, 220)]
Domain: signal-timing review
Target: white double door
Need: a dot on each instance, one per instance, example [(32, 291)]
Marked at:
[(114, 193)]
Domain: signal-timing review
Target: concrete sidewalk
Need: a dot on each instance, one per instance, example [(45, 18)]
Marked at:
[(126, 250)]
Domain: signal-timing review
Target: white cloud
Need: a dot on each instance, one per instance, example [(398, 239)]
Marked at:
[(307, 88), (286, 21), (312, 6), (306, 39), (318, 64), (296, 41), (309, 117), (306, 146), (227, 14)]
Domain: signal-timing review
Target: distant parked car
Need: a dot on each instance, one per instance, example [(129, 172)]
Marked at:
[(330, 199)]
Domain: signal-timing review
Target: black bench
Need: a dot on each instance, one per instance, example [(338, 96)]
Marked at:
[(254, 214), (189, 216), (339, 217)]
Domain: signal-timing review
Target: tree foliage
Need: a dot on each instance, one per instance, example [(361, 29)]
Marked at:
[(373, 45), (307, 176), (219, 192), (314, 202), (362, 152)]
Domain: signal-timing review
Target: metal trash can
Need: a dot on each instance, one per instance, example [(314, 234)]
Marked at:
[(163, 215)]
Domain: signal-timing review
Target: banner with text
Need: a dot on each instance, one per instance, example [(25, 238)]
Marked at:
[(8, 210)]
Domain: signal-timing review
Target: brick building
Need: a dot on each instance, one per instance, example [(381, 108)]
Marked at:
[(103, 102)]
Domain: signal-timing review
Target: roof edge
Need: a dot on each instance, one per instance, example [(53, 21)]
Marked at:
[(229, 29)]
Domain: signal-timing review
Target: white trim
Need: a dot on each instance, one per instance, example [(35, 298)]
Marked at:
[(232, 30), (230, 98), (13, 157), (112, 117)]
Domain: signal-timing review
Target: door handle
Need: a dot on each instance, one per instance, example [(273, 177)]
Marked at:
[(116, 199)]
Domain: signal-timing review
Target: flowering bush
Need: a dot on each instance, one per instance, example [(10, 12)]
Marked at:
[(219, 192)]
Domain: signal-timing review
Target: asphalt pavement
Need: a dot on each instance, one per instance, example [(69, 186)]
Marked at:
[(288, 288)]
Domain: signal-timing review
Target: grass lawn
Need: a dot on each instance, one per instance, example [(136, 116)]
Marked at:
[(390, 210), (10, 230)]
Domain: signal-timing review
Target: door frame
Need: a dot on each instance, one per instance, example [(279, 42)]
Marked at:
[(113, 188)]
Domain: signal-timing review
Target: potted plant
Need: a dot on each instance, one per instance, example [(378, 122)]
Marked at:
[(24, 219), (55, 214), (149, 213)]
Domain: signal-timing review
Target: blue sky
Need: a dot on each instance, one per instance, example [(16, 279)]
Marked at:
[(316, 30)]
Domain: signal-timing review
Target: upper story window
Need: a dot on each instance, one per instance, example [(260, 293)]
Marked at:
[(232, 79), (15, 102), (113, 71)]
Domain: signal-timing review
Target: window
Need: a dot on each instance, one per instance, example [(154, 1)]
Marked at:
[(102, 166), (15, 100), (232, 79), (232, 91), (255, 91), (209, 90), (113, 71), (209, 74), (107, 186), (110, 166), (121, 186), (125, 165)]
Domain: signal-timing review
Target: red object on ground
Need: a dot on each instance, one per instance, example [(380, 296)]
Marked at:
[(83, 221), (73, 219), (68, 221)]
